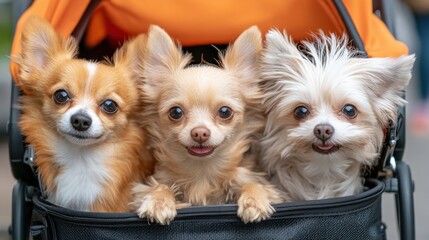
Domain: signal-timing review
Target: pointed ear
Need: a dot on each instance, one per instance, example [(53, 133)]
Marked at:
[(280, 43), (131, 56), (386, 79), (162, 55), (281, 55), (281, 61), (40, 45), (242, 57)]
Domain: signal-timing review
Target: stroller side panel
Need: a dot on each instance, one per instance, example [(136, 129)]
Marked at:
[(355, 217)]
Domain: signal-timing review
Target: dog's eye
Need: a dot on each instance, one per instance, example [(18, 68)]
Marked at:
[(61, 96), (301, 112), (176, 113), (109, 106), (350, 111), (225, 112)]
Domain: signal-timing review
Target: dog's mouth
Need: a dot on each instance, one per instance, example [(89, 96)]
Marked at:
[(200, 151), (85, 137), (325, 148), (81, 138)]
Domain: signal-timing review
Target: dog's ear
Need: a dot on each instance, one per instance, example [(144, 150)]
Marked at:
[(386, 79), (162, 55), (281, 44), (280, 55), (281, 61), (41, 45), (242, 57), (131, 56)]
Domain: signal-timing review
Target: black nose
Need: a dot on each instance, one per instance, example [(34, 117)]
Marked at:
[(80, 121), (323, 131)]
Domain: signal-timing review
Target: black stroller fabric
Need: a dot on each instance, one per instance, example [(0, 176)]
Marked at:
[(354, 217)]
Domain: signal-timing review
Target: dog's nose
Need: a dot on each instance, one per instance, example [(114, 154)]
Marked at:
[(80, 121), (200, 134), (323, 131)]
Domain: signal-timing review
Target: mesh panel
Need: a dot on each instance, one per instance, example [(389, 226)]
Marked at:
[(355, 217), (360, 225)]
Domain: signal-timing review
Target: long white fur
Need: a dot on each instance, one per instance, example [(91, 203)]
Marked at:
[(88, 164), (324, 75)]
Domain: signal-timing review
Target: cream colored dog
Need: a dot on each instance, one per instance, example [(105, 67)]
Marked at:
[(203, 121)]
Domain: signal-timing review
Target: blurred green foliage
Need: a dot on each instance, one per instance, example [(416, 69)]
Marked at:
[(5, 27)]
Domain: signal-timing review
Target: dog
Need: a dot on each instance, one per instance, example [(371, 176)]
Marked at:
[(326, 112), (80, 117), (203, 122)]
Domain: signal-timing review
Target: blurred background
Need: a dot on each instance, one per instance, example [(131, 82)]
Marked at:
[(417, 138), (6, 179)]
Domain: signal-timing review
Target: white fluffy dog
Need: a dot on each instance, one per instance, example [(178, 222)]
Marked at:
[(327, 110)]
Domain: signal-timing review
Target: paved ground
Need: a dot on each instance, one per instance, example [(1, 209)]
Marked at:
[(6, 185), (416, 155)]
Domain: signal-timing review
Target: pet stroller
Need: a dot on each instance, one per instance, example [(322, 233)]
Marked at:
[(353, 217)]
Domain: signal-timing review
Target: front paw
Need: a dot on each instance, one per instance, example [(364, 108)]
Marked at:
[(253, 207), (157, 204)]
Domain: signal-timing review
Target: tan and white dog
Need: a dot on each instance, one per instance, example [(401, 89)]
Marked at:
[(80, 116)]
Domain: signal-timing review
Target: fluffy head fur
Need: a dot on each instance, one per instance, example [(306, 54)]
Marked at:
[(203, 121), (80, 117), (326, 113)]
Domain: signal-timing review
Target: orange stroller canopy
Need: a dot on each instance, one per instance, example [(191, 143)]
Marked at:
[(193, 22)]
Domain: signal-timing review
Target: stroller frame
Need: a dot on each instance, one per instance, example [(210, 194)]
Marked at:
[(391, 169)]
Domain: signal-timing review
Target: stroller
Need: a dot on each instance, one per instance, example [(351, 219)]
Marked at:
[(353, 217)]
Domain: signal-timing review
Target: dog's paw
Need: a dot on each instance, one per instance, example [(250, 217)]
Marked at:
[(157, 205), (254, 205)]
